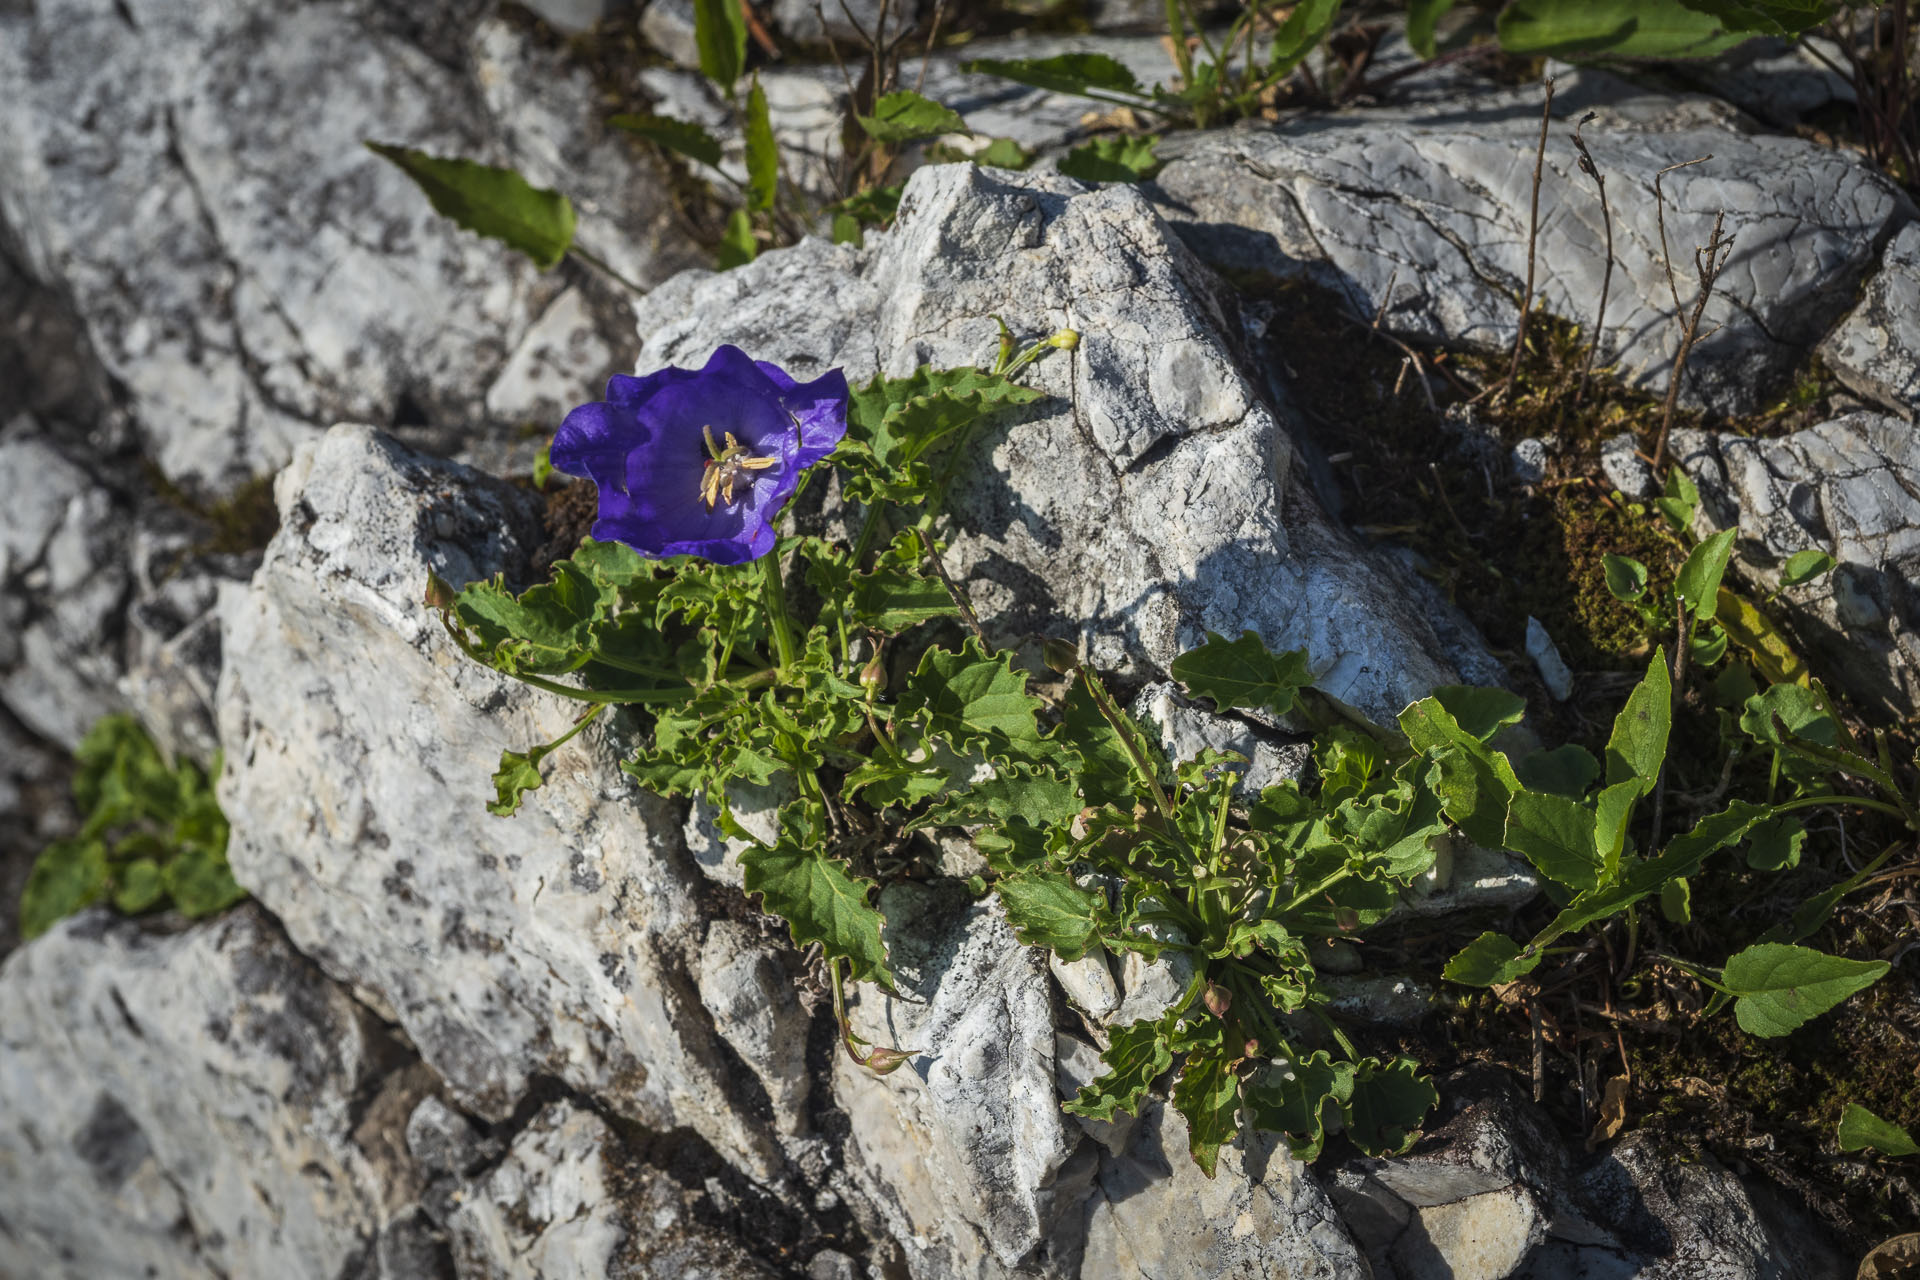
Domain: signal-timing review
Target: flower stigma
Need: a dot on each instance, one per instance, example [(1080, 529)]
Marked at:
[(725, 468)]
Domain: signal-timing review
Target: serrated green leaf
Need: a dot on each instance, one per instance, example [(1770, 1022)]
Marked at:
[(1138, 1053), (738, 246), (1556, 835), (1564, 771), (1035, 796), (1243, 673), (1049, 910), (763, 153), (1387, 1104), (1290, 1099), (904, 116), (1698, 585), (720, 34), (680, 136), (518, 774), (1803, 567), (1861, 1128), (1612, 28), (1638, 745), (490, 201), (1067, 73), (971, 699), (1779, 987), (1422, 17), (821, 901), (1488, 961), (903, 419), (1113, 160), (1774, 845), (200, 882), (1208, 1095), (1626, 577), (68, 876)]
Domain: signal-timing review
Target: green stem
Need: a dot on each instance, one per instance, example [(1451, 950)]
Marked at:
[(637, 668), (774, 592), (1308, 895), (599, 263), (1112, 715), (1863, 802), (541, 753)]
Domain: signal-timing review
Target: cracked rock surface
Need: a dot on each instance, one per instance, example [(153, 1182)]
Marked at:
[(1421, 214), (1876, 349), (1153, 494)]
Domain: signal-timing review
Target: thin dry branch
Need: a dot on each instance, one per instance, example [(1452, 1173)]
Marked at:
[(1592, 170), (1660, 215), (1533, 234), (1709, 260)]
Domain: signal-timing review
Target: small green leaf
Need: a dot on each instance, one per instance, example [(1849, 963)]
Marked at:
[(763, 153), (1066, 73), (1388, 1102), (1612, 811), (1289, 1098), (799, 881), (1796, 707), (1774, 845), (738, 246), (1638, 745), (200, 882), (1138, 1053), (681, 136), (905, 116), (1803, 567), (903, 419), (493, 202), (518, 774), (1861, 1128), (1676, 900), (1488, 961), (1556, 835), (1780, 987), (1208, 1095), (1680, 501), (847, 230), (1481, 713), (1047, 909), (68, 876), (1112, 160), (1422, 17), (1626, 577), (1003, 153), (1699, 583), (1300, 34), (138, 887), (1243, 673), (720, 33)]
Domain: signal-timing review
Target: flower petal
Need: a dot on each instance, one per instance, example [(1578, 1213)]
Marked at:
[(594, 443)]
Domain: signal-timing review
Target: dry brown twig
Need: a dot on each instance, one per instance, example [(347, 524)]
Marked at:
[(1533, 238), (1592, 170), (1709, 260)]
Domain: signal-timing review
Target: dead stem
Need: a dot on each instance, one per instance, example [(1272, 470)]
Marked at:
[(1709, 260), (1660, 216), (1533, 237), (959, 599), (1592, 170)]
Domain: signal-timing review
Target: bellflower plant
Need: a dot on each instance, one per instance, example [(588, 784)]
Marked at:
[(701, 462)]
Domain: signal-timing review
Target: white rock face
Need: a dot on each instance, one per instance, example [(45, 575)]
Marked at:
[(1876, 349), (358, 745), (1421, 214), (1151, 496), (185, 1104)]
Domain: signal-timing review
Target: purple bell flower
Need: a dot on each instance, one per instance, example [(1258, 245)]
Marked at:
[(701, 462)]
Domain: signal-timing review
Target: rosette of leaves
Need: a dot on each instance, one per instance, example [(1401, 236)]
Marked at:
[(153, 836)]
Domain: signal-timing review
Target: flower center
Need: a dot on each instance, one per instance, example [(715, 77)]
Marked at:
[(725, 467)]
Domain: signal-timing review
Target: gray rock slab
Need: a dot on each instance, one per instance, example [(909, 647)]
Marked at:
[(1850, 487), (563, 941), (192, 1103), (1421, 215), (1876, 349), (1152, 495)]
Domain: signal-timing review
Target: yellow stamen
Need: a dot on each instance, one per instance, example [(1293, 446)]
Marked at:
[(724, 468)]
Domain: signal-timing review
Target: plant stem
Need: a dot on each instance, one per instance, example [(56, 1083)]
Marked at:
[(1104, 702), (1606, 277), (774, 592), (600, 264), (1533, 237), (953, 591)]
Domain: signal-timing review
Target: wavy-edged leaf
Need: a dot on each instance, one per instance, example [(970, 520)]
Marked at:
[(1290, 1098), (1243, 673), (1779, 987), (1138, 1053), (490, 201), (1387, 1104), (1106, 774), (519, 773), (1066, 73), (816, 895), (904, 116), (1208, 1095), (1049, 910), (200, 882), (1036, 796), (971, 699), (681, 136), (903, 419), (1112, 160)]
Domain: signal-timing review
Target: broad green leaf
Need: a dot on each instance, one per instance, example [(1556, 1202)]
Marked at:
[(1779, 987), (493, 202), (1861, 1128), (1803, 567), (971, 699), (1612, 810), (1681, 499), (1347, 759), (1638, 745), (1208, 1095), (1489, 960), (821, 901), (737, 245), (1300, 34), (1564, 771), (895, 602), (1473, 781), (1422, 17), (1112, 160), (1004, 153), (547, 628), (681, 136), (1041, 798), (68, 876), (200, 883), (720, 33), (1388, 1102), (1626, 577), (518, 774), (1481, 713), (1289, 1098), (1047, 909), (1755, 633), (904, 116), (1786, 18), (1774, 845), (1243, 673), (1612, 28), (1796, 707), (1699, 583), (763, 153), (1138, 1053), (138, 887), (1556, 835), (1676, 900), (1066, 73)]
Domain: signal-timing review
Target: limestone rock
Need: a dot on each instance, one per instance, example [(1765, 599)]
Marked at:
[(1420, 214), (1187, 729), (1152, 495), (358, 745), (192, 1103), (1848, 487), (1876, 349)]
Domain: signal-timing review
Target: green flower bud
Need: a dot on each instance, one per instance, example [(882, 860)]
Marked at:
[(1066, 339), (440, 592), (873, 676)]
